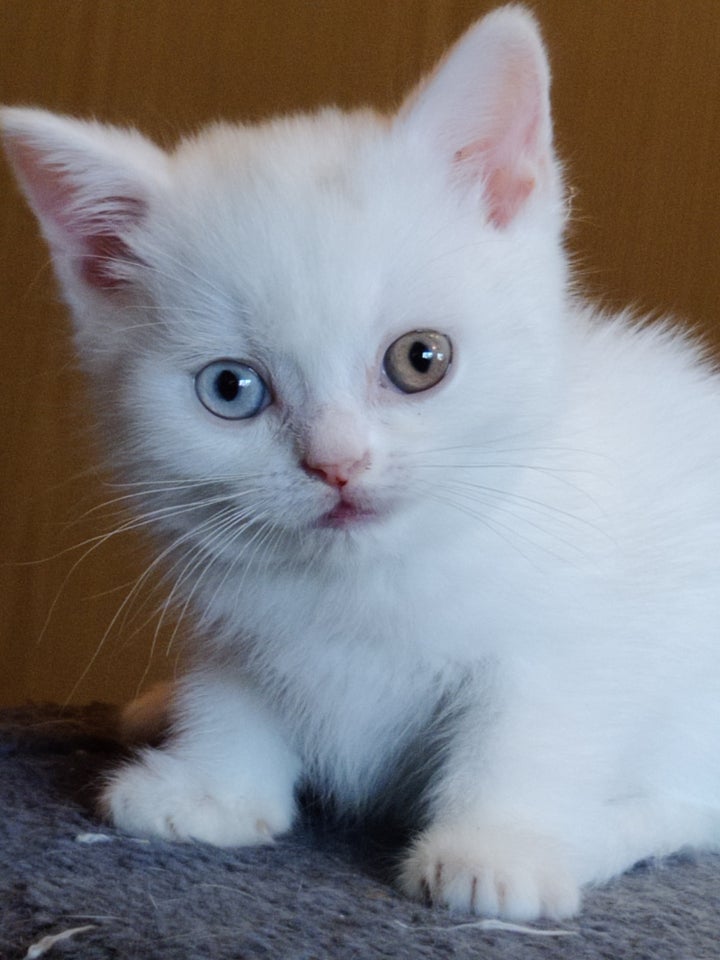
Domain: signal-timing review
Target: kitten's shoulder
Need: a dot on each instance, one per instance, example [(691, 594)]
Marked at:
[(644, 348)]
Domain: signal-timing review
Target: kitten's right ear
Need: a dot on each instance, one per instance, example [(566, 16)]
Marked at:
[(89, 186)]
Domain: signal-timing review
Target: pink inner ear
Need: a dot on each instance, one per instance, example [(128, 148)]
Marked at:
[(90, 228), (102, 239), (508, 181), (507, 190), (513, 157)]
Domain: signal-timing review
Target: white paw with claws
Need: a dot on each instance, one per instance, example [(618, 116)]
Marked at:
[(165, 796), (501, 872)]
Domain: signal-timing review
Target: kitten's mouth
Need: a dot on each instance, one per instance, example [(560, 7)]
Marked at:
[(346, 514)]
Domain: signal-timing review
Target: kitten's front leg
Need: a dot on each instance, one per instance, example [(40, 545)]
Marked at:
[(226, 776), (484, 865), (494, 845)]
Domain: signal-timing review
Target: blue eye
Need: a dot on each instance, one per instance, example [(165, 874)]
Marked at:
[(231, 390)]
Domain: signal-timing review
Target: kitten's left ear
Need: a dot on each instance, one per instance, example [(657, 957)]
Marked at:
[(486, 109)]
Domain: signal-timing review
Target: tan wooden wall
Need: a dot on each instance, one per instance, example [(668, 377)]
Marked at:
[(637, 95)]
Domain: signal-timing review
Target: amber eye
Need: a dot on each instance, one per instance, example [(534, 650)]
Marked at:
[(418, 360)]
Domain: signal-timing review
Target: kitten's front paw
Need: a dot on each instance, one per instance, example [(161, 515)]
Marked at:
[(165, 796), (503, 872)]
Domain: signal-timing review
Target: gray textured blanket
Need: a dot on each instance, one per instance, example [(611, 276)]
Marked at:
[(72, 886)]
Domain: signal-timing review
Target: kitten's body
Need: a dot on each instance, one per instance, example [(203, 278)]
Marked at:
[(493, 602)]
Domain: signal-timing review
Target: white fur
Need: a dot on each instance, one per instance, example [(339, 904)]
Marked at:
[(532, 617)]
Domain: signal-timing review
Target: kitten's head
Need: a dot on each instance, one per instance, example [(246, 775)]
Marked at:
[(315, 325)]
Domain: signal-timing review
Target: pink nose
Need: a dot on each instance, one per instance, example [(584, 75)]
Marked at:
[(334, 474)]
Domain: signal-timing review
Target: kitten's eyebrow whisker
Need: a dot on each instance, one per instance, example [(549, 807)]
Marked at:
[(186, 273)]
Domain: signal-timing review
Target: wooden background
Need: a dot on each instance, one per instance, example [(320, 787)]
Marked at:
[(637, 104)]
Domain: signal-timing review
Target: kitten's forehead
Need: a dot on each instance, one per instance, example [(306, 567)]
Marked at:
[(298, 222), (281, 169)]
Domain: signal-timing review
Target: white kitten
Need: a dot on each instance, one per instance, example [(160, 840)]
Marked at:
[(452, 540)]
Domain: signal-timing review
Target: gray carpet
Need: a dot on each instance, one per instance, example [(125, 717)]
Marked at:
[(317, 894)]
